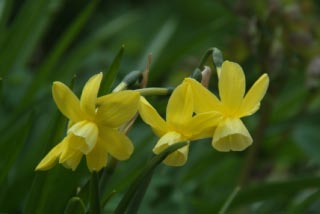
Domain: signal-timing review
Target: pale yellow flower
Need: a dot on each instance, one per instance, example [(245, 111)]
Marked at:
[(180, 124), (230, 133), (93, 126)]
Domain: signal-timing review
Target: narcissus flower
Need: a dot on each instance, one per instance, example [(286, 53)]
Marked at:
[(180, 124), (93, 126), (230, 133)]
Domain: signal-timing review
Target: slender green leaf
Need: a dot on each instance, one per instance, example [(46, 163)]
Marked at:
[(35, 199), (303, 206), (22, 38), (147, 171), (229, 200), (107, 198), (75, 205), (136, 201), (36, 190), (66, 40), (11, 147), (157, 45), (5, 11), (111, 73), (92, 42), (95, 206), (266, 191)]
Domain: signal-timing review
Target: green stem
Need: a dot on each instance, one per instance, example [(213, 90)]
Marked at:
[(107, 173), (129, 80), (145, 173), (154, 91), (120, 87), (94, 194), (216, 56), (136, 201), (228, 202)]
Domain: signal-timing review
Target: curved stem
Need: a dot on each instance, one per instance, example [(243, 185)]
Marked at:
[(154, 91), (145, 173), (107, 174), (94, 194), (229, 200)]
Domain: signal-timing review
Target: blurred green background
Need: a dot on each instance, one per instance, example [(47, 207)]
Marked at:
[(46, 41)]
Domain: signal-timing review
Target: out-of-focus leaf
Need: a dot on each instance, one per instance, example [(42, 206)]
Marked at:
[(67, 38), (75, 205), (287, 105), (157, 45), (229, 200), (5, 10), (305, 206), (33, 202), (22, 38), (12, 145), (264, 191), (306, 136), (92, 42)]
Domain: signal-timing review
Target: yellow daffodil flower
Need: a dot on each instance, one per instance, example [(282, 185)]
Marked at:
[(230, 133), (93, 126), (180, 124)]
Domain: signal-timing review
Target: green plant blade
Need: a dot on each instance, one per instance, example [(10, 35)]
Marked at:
[(95, 206), (5, 11), (21, 38), (59, 49), (92, 42), (160, 41), (12, 146), (111, 73), (145, 173), (137, 199), (268, 190), (75, 205)]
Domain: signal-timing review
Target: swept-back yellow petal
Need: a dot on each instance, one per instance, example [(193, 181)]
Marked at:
[(68, 150), (117, 108), (89, 95), (167, 140), (98, 157), (86, 130), (231, 135), (180, 106), (67, 102), (178, 157), (73, 161), (203, 99), (231, 87), (118, 144), (151, 117), (202, 125), (251, 101), (51, 158)]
